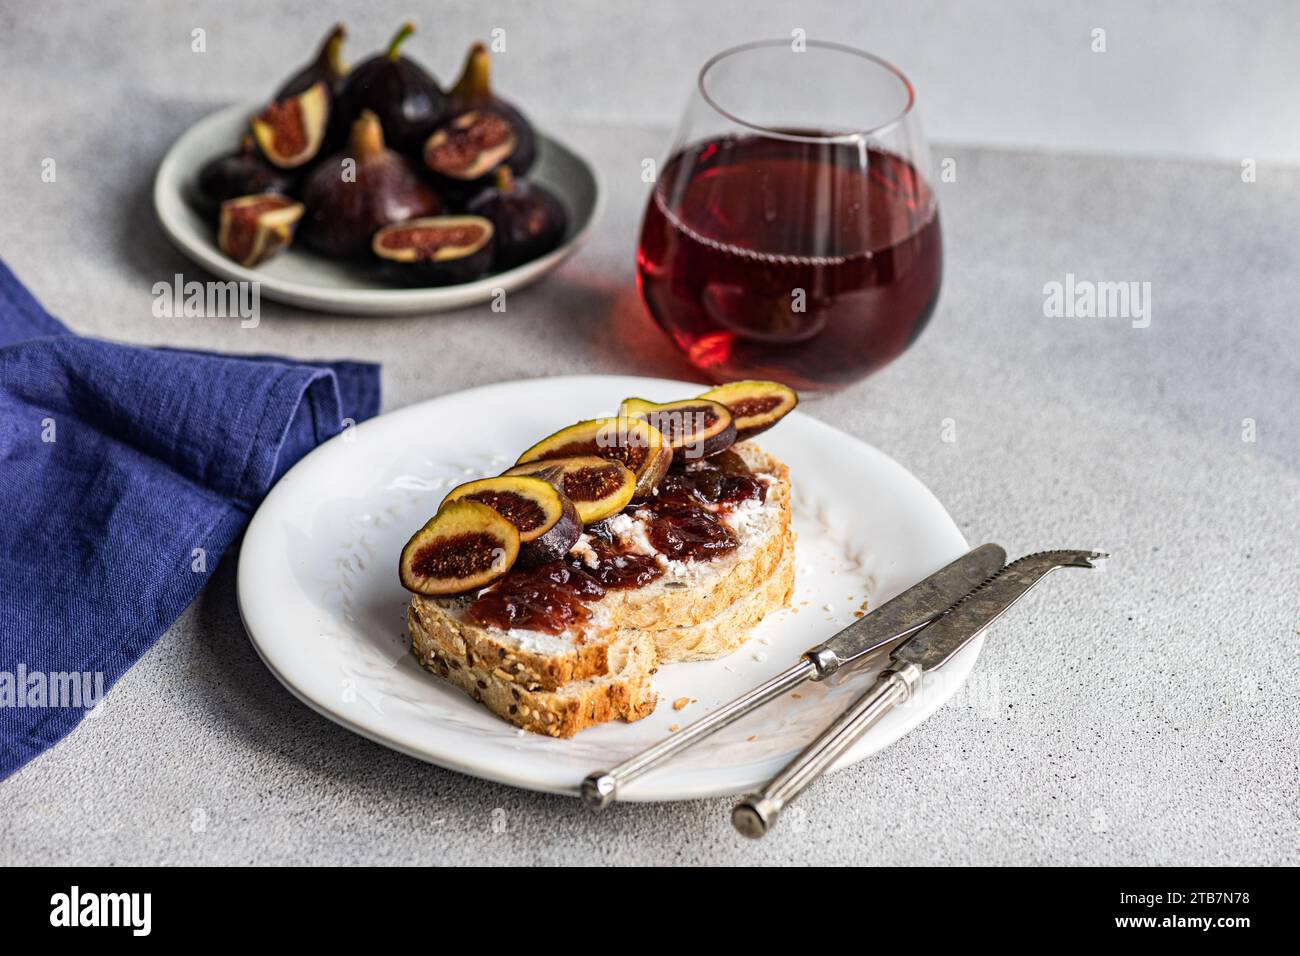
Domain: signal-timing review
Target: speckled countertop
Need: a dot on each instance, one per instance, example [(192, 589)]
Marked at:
[(1145, 715)]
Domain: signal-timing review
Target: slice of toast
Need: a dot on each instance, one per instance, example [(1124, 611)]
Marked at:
[(532, 659), (731, 627), (558, 684), (687, 594), (627, 691)]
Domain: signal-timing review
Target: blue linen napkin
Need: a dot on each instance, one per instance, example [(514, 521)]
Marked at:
[(125, 474)]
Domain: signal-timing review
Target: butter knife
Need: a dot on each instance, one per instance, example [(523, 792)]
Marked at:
[(902, 679), (903, 615)]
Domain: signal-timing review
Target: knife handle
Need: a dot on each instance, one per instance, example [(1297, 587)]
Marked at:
[(758, 813), (601, 787)]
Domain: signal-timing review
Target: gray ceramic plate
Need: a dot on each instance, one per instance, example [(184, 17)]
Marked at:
[(300, 278)]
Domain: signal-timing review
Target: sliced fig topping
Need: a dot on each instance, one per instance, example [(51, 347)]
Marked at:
[(598, 487), (289, 132), (755, 406), (466, 545), (634, 442), (437, 250), (547, 521), (695, 428), (471, 145), (254, 228)]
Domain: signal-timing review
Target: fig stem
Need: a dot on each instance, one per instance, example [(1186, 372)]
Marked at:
[(331, 53), (505, 180), (399, 38), (474, 87), (367, 137)]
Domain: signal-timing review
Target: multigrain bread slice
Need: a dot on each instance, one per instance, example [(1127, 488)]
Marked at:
[(559, 684), (530, 658), (689, 593), (627, 691), (727, 630)]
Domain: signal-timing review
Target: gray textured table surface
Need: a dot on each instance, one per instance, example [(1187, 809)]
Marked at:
[(1144, 715)]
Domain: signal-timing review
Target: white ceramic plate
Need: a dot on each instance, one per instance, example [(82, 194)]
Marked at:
[(319, 595), (301, 278)]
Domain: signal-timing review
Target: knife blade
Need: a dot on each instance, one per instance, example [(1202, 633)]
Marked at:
[(900, 616), (908, 612), (937, 644), (903, 679)]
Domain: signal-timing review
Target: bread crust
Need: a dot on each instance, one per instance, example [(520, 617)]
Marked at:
[(446, 620), (726, 631), (626, 692)]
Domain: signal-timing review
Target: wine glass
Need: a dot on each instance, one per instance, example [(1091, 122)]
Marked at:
[(793, 234)]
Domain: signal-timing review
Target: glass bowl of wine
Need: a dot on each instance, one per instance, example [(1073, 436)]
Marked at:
[(793, 233)]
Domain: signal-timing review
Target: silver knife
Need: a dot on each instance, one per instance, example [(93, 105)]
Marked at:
[(910, 661), (903, 615)]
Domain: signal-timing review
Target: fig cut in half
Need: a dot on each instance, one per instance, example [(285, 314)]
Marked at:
[(547, 521), (254, 228), (635, 443), (437, 250), (473, 91), (470, 146), (694, 428), (598, 487), (755, 406), (465, 546), (290, 131)]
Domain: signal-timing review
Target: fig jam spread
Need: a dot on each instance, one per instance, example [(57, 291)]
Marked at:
[(552, 598), (682, 522), (617, 570), (723, 481)]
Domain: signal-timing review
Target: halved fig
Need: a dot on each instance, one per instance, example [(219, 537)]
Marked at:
[(470, 146), (473, 91), (598, 487), (466, 545), (634, 442), (755, 406), (254, 228), (548, 522), (437, 250), (694, 428), (289, 132)]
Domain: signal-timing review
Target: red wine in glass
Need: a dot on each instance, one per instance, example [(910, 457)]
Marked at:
[(807, 257)]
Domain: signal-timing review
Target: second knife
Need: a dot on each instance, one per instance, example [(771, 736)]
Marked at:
[(892, 621)]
